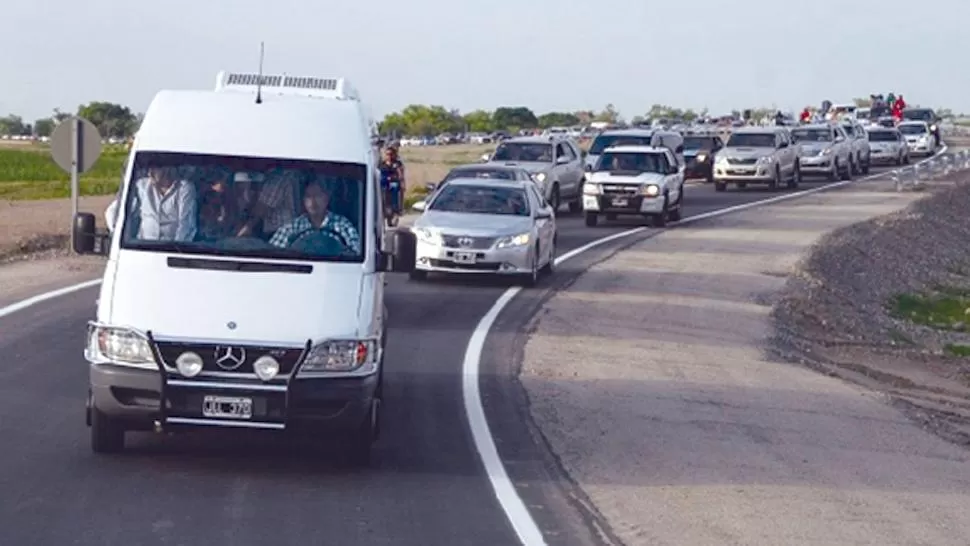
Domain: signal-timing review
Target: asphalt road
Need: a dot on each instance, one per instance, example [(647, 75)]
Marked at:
[(427, 486)]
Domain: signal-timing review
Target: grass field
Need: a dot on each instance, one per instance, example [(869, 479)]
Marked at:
[(27, 171)]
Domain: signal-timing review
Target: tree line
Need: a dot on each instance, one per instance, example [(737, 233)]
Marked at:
[(112, 120), (119, 121)]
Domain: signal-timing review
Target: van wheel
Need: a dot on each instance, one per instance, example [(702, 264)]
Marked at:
[(359, 450), (107, 435), (591, 219)]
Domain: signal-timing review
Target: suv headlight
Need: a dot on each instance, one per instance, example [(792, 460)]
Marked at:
[(511, 241), (650, 190), (118, 345), (701, 158), (427, 236), (343, 355), (591, 188)]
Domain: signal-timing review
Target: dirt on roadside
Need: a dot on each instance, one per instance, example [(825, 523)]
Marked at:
[(834, 314), (28, 227)]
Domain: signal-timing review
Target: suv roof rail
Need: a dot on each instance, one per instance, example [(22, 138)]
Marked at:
[(282, 84)]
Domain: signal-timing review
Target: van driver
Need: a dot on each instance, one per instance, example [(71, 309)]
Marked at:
[(318, 217)]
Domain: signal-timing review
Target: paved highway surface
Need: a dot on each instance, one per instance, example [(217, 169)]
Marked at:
[(427, 486)]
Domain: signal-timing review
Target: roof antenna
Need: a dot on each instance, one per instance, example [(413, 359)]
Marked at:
[(259, 78)]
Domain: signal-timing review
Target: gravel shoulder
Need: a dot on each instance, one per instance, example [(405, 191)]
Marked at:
[(662, 380)]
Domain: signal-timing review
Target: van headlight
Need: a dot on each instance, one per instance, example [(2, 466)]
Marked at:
[(343, 355), (512, 241), (650, 190), (118, 345)]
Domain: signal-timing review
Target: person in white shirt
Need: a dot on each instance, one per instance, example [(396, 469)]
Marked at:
[(166, 207)]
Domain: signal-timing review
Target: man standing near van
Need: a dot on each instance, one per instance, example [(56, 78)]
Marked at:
[(318, 217), (165, 205)]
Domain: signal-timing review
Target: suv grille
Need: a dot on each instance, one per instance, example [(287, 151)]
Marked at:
[(742, 161)]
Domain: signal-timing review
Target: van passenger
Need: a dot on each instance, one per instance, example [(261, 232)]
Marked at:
[(320, 219), (166, 206), (275, 206)]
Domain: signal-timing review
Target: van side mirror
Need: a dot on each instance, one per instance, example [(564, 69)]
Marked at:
[(404, 251), (85, 238)]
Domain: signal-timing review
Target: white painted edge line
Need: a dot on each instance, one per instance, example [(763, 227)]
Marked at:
[(39, 298), (515, 510)]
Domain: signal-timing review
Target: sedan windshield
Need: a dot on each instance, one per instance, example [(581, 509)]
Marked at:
[(481, 200), (912, 128), (631, 162), (481, 172), (921, 114), (603, 142), (245, 206), (883, 136), (752, 140), (812, 135), (539, 152)]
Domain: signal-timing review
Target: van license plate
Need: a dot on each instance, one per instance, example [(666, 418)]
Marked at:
[(618, 202), (465, 257), (227, 407)]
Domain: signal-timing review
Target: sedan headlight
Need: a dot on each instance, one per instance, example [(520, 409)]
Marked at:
[(428, 236), (343, 355), (117, 345), (539, 177), (591, 188), (764, 160), (512, 241), (827, 151), (650, 190)]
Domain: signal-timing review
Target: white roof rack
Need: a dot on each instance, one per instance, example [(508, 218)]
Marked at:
[(274, 84)]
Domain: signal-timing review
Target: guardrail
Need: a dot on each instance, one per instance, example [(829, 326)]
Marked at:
[(935, 168)]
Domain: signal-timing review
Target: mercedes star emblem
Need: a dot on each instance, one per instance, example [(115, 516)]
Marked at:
[(230, 358), (231, 325), (465, 241)]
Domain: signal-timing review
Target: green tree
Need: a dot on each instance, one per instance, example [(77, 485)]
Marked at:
[(13, 125), (609, 114), (112, 120), (479, 121), (558, 119), (511, 118), (43, 127)]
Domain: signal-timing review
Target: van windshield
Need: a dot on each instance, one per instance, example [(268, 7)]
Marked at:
[(246, 206)]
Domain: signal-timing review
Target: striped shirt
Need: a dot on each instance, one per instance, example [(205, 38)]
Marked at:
[(344, 228)]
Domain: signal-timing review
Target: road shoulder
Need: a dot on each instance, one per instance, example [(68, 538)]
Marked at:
[(650, 379)]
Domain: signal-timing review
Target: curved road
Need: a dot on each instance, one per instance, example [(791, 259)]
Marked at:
[(427, 486)]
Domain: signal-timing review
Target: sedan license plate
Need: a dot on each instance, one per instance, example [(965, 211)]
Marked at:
[(620, 202), (465, 257), (227, 407)]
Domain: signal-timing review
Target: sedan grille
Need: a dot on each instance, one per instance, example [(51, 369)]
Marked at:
[(464, 241)]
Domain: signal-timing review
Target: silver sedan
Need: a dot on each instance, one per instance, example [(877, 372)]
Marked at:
[(486, 227)]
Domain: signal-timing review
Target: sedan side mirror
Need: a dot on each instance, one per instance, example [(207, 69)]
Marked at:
[(404, 250)]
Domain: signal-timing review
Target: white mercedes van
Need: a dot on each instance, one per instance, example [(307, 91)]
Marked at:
[(244, 284)]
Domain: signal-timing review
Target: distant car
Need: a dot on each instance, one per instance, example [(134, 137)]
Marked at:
[(928, 116), (758, 155), (919, 138), (822, 150), (888, 146), (635, 180), (700, 152), (859, 143), (555, 163), (476, 225)]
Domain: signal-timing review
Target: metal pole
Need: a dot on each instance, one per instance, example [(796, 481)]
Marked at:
[(75, 170)]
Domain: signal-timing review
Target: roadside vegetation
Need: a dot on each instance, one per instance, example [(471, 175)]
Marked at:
[(944, 309)]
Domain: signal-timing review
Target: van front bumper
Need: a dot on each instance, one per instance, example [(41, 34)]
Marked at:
[(144, 399)]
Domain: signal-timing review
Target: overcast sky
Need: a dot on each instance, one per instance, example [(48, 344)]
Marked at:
[(470, 54)]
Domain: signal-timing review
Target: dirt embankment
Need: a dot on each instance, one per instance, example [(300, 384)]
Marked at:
[(836, 313)]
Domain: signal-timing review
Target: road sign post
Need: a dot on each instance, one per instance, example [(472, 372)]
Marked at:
[(75, 146)]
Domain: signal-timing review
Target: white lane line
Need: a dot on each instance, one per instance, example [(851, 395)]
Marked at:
[(515, 510), (29, 302)]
